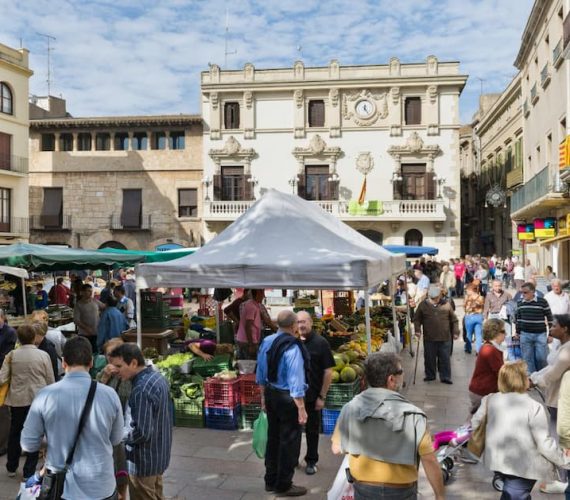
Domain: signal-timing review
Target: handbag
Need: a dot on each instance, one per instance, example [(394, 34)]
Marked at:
[(54, 481), (476, 444), (4, 388)]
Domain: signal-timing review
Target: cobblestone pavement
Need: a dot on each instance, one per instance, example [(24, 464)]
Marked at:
[(220, 465)]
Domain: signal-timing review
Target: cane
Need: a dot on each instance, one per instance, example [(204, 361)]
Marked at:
[(417, 357)]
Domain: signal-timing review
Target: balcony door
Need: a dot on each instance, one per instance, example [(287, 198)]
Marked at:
[(232, 185), (315, 184), (52, 209), (5, 209), (131, 214), (5, 151), (417, 183)]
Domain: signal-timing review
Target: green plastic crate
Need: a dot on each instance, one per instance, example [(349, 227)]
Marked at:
[(341, 393), (189, 412), (210, 368)]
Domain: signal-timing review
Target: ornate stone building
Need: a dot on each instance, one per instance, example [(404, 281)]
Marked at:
[(320, 132), (127, 182), (14, 125)]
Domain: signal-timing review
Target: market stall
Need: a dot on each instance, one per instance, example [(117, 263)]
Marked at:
[(152, 256)]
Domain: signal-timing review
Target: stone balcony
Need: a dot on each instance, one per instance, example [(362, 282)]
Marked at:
[(394, 210)]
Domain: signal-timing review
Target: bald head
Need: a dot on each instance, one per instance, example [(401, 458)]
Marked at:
[(287, 321)]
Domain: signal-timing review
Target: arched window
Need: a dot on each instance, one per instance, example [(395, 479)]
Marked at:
[(6, 99), (372, 235), (113, 244), (413, 237)]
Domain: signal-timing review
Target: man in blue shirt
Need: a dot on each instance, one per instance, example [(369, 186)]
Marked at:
[(281, 364), (55, 414), (149, 440), (111, 324)]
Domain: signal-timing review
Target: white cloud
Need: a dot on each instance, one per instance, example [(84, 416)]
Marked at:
[(143, 57)]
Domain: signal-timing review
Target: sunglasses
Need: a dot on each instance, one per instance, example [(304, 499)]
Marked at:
[(399, 372)]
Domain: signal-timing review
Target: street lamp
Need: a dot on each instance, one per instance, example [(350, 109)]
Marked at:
[(440, 182), (396, 177), (293, 183), (206, 181), (254, 182), (334, 177)]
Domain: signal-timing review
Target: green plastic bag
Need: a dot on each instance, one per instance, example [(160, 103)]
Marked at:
[(260, 435)]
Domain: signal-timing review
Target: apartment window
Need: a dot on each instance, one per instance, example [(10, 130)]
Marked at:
[(417, 183), (176, 140), (5, 209), (187, 203), (52, 209), (548, 152), (413, 237), (158, 140), (5, 151), (562, 129), (121, 141), (131, 214), (84, 142), (509, 159), (413, 110), (103, 141), (48, 142), (317, 185), (232, 183), (231, 115), (6, 99), (317, 113), (519, 153), (538, 157), (140, 141), (66, 142)]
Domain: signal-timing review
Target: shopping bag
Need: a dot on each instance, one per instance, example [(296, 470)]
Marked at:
[(341, 489), (30, 493), (260, 435), (476, 444)]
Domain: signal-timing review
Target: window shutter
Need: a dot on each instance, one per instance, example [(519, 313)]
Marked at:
[(333, 190), (131, 214), (301, 186), (413, 110), (430, 181), (247, 188), (316, 113), (5, 151), (217, 183), (397, 190), (52, 210)]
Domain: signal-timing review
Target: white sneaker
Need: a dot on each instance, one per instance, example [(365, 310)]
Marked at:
[(11, 474), (554, 487)]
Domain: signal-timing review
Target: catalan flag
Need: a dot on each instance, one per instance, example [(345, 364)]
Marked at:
[(362, 197)]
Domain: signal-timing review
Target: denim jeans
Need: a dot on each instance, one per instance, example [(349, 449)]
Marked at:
[(370, 492), (534, 350), (474, 323), (517, 488)]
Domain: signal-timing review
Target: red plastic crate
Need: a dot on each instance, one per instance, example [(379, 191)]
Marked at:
[(222, 393), (250, 391)]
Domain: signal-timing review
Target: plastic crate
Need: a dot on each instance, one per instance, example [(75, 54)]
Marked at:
[(222, 393), (152, 304), (249, 414), (250, 392), (340, 394), (188, 413), (210, 368), (329, 420), (222, 418)]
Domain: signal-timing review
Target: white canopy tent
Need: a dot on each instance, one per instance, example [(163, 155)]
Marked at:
[(23, 275), (282, 241)]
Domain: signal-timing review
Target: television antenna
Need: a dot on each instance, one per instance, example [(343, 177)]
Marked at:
[(49, 38), (227, 52)]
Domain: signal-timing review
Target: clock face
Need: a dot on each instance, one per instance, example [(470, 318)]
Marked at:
[(365, 108)]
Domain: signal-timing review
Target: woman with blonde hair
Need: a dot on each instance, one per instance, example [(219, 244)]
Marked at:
[(473, 307), (53, 335), (517, 440)]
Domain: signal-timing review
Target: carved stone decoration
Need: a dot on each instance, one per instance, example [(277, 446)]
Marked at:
[(249, 133), (395, 93), (299, 132), (334, 97), (233, 151), (432, 93), (394, 66), (364, 163), (214, 73), (350, 101), (248, 98), (415, 147), (334, 69), (431, 63), (298, 95), (215, 100), (317, 149), (395, 130), (215, 134), (249, 72), (299, 70), (335, 131), (415, 143), (433, 129)]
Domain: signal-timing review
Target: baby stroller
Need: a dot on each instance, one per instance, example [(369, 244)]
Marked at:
[(447, 445)]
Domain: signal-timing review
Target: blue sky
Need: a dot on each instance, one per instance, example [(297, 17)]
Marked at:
[(144, 57)]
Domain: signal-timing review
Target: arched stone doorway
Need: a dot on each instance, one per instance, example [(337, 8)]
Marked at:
[(375, 236), (113, 244), (414, 238)]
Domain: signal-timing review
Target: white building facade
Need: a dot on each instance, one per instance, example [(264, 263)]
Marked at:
[(320, 131)]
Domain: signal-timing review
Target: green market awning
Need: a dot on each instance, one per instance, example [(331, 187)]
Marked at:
[(51, 258), (150, 256)]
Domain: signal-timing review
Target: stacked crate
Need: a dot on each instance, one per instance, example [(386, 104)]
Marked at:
[(223, 407), (250, 396), (189, 413), (175, 306), (154, 311), (338, 395)]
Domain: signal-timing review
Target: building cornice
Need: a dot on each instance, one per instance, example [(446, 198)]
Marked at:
[(533, 25), (116, 122), (508, 96)]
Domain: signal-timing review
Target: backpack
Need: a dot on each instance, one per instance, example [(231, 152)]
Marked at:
[(51, 294)]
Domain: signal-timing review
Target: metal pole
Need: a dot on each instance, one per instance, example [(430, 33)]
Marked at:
[(394, 315), (139, 318), (367, 320), (25, 298), (217, 310)]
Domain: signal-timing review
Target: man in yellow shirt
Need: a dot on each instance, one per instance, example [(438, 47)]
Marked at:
[(386, 437)]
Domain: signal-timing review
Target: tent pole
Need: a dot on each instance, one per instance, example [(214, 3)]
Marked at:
[(217, 322), (139, 318), (25, 298), (367, 320), (394, 315)]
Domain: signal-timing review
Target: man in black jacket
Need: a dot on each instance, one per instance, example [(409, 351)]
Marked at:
[(8, 340)]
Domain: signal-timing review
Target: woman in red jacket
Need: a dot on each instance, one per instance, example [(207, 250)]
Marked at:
[(488, 364)]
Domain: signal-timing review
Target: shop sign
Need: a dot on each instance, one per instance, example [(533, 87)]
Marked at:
[(564, 153), (545, 228), (563, 225), (525, 232)]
